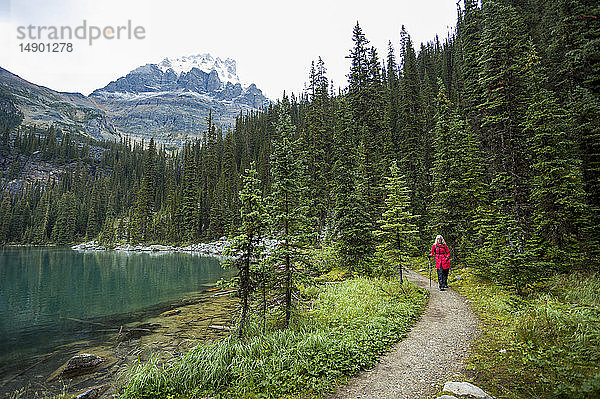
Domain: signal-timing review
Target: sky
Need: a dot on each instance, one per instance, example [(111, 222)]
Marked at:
[(273, 42)]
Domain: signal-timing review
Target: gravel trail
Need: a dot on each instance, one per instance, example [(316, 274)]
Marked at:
[(431, 354)]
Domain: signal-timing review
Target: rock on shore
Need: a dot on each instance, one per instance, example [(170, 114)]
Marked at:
[(215, 248)]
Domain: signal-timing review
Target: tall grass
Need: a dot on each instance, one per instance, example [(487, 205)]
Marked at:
[(546, 345), (347, 327)]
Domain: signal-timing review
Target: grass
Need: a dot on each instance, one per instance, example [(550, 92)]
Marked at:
[(344, 328), (543, 345)]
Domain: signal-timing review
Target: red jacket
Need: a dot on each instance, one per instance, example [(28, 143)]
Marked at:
[(442, 255)]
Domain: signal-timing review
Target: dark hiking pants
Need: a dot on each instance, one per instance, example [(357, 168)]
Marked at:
[(443, 277)]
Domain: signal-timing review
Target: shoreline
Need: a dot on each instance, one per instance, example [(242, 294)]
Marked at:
[(165, 330), (215, 248)]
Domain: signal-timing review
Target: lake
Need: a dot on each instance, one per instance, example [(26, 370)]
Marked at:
[(51, 297)]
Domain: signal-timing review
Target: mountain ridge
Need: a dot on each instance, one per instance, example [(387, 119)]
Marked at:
[(169, 101)]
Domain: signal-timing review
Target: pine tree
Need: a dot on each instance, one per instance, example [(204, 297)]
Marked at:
[(415, 146), (352, 223), (397, 232), (44, 218), (557, 195), (366, 101), (63, 231), (288, 204), (468, 37), (393, 100), (189, 206), (5, 218), (144, 207), (246, 247), (502, 62), (585, 125), (457, 177), (318, 137)]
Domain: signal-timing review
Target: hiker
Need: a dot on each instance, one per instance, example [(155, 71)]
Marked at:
[(440, 250)]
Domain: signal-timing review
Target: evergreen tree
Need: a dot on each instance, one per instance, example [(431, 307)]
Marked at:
[(502, 62), (353, 227), (246, 247), (366, 102), (585, 125), (288, 204), (457, 177), (5, 218), (415, 146), (44, 218), (397, 231), (318, 137), (144, 207), (189, 206), (557, 195), (65, 227)]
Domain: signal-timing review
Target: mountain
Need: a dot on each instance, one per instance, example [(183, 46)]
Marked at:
[(171, 100), (23, 101)]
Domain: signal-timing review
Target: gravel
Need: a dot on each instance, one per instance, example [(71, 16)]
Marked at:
[(433, 352)]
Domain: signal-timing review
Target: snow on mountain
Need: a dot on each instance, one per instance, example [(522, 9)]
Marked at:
[(205, 62)]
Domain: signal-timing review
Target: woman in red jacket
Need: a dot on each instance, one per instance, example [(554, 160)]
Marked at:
[(441, 252)]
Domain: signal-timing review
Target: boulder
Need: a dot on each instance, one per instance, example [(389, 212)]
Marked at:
[(447, 397), (466, 390), (81, 364)]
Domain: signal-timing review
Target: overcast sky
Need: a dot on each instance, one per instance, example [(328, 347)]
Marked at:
[(273, 42)]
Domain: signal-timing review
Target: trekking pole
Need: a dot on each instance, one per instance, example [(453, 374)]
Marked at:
[(430, 272)]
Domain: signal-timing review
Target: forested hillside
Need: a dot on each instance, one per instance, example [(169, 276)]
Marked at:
[(490, 137)]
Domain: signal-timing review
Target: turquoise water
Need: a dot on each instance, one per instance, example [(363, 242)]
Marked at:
[(52, 297)]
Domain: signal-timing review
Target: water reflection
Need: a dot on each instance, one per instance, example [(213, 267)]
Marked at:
[(48, 295)]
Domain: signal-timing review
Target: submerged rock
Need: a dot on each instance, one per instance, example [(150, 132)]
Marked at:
[(138, 331), (92, 393), (170, 312), (83, 363)]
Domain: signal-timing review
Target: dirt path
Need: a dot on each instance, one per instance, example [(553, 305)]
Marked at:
[(431, 354)]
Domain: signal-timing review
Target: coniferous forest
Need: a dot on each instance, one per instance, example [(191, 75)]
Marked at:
[(490, 136)]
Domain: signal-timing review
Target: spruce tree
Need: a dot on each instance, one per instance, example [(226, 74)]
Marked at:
[(189, 201), (502, 79), (289, 211), (397, 231), (584, 109), (457, 177), (557, 194), (352, 221), (415, 145), (246, 247), (5, 218), (64, 230), (318, 137), (144, 207)]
